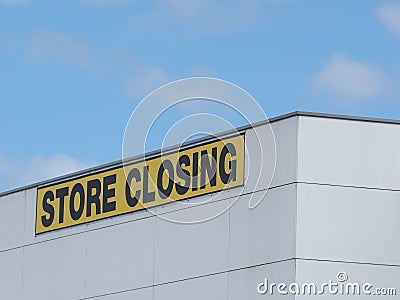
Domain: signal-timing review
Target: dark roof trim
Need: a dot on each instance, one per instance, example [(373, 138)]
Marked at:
[(345, 117), (196, 142)]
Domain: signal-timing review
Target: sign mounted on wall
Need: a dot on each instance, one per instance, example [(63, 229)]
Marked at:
[(195, 171)]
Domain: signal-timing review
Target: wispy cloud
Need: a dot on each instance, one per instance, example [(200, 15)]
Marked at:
[(146, 80), (188, 7), (103, 3), (349, 78), (389, 14), (47, 47), (15, 173), (201, 16)]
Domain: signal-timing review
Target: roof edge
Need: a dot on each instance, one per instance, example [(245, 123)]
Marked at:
[(105, 167)]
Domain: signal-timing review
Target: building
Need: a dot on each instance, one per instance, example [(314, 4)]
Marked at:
[(329, 218)]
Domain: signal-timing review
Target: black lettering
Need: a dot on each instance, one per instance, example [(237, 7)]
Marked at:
[(147, 197), (48, 208), (109, 193), (183, 174), (165, 166), (93, 198), (209, 168), (61, 193), (231, 176), (132, 201), (77, 189), (195, 171)]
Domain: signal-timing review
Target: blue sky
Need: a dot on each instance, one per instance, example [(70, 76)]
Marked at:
[(71, 72)]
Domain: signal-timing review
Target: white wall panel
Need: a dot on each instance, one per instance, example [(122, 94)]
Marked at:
[(349, 152), (348, 224), (319, 272), (12, 210), (55, 269), (30, 219), (213, 287), (259, 163), (285, 132), (120, 257), (124, 218), (139, 294), (229, 196), (190, 250), (243, 283), (265, 233), (11, 274)]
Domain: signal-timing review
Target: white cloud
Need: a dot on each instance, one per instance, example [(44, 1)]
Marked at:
[(49, 46), (389, 14), (201, 16), (14, 1), (189, 8), (351, 79), (146, 80), (16, 173)]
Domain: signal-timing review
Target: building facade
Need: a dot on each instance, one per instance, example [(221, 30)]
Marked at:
[(328, 224)]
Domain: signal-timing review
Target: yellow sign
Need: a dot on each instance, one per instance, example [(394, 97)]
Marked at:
[(176, 176)]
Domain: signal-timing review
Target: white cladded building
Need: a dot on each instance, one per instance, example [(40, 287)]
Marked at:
[(328, 224)]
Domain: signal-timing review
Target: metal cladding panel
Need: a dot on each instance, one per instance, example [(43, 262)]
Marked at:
[(285, 132), (320, 272), (12, 215), (260, 162), (11, 274), (266, 233), (352, 153), (55, 269), (139, 294), (348, 224), (30, 218), (243, 283), (190, 250), (120, 257), (213, 287)]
